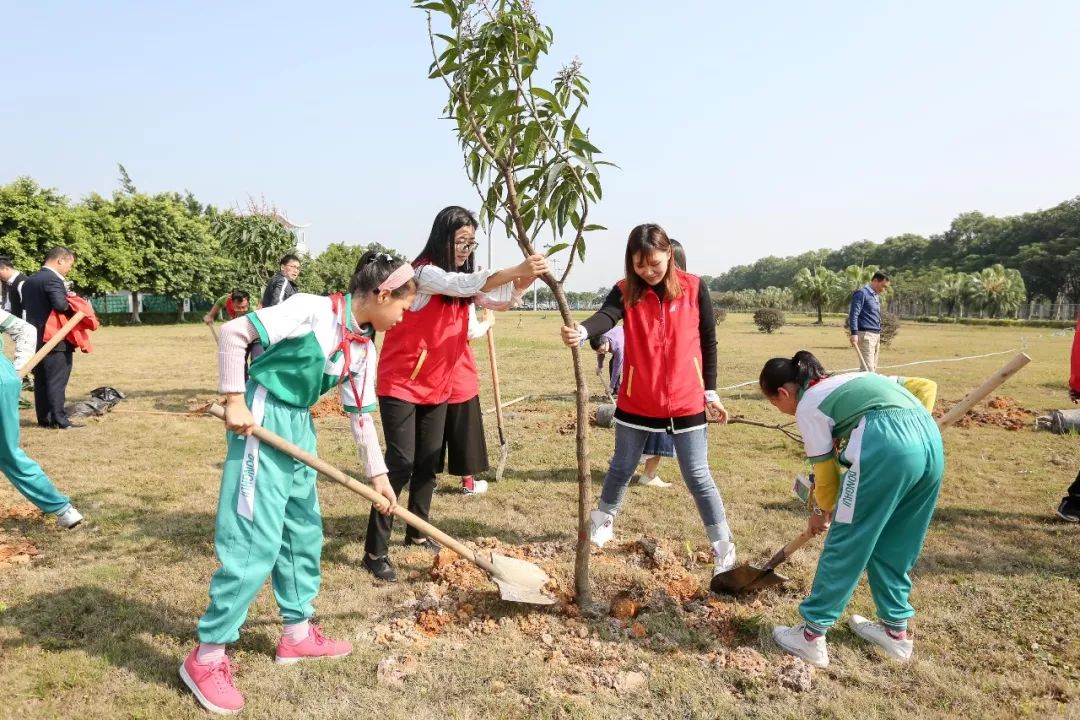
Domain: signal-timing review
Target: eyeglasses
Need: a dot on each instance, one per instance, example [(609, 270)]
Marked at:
[(294, 266), (470, 246)]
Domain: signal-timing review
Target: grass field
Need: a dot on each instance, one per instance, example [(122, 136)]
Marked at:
[(97, 624)]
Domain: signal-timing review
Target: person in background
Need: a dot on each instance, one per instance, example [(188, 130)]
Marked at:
[(864, 319), (25, 474), (13, 282), (44, 292), (1069, 508), (282, 285), (235, 304)]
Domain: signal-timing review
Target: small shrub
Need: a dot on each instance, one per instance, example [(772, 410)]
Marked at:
[(768, 319), (890, 325), (720, 313)]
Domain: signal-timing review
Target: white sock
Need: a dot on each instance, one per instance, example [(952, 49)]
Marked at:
[(296, 633), (209, 653)]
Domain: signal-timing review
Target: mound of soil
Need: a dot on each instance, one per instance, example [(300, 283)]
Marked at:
[(16, 550), (328, 406), (998, 411)]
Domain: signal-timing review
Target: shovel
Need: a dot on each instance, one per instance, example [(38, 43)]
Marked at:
[(53, 342), (213, 331), (748, 578), (518, 580), (503, 446)]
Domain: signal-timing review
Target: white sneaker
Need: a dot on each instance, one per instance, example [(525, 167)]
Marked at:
[(479, 487), (601, 527), (723, 553), (69, 518), (653, 481), (795, 643), (877, 634)]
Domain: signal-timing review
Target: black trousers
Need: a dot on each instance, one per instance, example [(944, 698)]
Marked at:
[(1073, 496), (463, 441), (50, 388), (414, 442)]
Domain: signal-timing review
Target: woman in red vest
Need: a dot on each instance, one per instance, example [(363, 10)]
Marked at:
[(1069, 508), (668, 382), (416, 369)]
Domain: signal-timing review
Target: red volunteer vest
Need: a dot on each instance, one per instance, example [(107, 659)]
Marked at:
[(466, 383), (662, 353), (420, 353)]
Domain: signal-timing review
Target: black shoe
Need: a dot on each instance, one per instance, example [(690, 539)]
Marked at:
[(426, 544), (1068, 510), (380, 568)]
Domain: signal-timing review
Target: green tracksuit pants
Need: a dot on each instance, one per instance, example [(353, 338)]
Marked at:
[(268, 523), (886, 500), (25, 474)]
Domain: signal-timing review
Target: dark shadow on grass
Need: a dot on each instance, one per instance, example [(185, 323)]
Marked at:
[(1002, 543), (102, 623), (173, 399)]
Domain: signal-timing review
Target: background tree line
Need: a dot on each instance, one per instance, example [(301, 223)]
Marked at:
[(1042, 247), (166, 244)]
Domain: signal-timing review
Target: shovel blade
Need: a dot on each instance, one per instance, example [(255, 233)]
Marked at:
[(745, 578), (520, 580)]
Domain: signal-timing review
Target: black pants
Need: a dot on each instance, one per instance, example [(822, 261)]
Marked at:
[(50, 389), (463, 442), (414, 440), (1072, 499)]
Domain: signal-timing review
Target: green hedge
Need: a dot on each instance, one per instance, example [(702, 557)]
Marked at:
[(995, 322), (149, 318)]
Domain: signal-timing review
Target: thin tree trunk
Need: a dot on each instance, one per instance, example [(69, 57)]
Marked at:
[(581, 563), (135, 308), (819, 320)]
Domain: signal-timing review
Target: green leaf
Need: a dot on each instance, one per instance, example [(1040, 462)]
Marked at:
[(557, 248), (584, 146), (436, 6), (580, 247), (591, 227)]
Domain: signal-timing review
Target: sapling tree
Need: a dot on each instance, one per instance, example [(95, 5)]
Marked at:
[(531, 162)]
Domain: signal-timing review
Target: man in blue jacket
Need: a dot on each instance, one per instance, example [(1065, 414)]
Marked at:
[(864, 319)]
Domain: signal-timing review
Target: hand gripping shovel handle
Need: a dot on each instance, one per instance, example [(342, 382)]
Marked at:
[(53, 342), (369, 494)]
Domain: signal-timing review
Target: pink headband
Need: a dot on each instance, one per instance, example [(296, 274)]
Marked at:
[(397, 278)]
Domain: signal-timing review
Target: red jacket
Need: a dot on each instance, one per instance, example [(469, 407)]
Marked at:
[(1074, 376), (420, 353), (661, 375), (80, 334)]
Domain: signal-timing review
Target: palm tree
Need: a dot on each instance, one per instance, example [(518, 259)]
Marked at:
[(819, 288), (953, 291), (998, 290), (855, 276)]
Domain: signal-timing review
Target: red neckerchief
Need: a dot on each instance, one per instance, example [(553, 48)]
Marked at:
[(348, 337)]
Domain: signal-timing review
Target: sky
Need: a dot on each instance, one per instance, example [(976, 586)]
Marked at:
[(744, 129)]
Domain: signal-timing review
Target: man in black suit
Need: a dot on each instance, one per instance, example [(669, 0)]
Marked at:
[(43, 292)]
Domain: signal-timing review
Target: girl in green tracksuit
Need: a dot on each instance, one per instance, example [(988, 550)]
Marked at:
[(875, 498)]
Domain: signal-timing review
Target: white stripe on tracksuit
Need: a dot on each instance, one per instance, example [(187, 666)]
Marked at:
[(249, 470)]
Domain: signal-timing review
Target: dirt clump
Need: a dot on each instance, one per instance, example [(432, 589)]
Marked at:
[(794, 674), (16, 550), (998, 411), (21, 511), (328, 406)]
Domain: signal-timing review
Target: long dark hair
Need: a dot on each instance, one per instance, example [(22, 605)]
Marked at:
[(439, 250), (678, 254), (801, 369), (645, 239), (372, 269)]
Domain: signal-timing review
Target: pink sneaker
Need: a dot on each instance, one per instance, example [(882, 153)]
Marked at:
[(315, 645), (213, 685)]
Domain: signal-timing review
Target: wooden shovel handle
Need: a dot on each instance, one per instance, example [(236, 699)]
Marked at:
[(960, 409), (788, 550), (862, 358), (369, 494), (53, 342), (495, 385)]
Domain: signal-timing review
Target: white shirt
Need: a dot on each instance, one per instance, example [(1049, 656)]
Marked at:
[(432, 280)]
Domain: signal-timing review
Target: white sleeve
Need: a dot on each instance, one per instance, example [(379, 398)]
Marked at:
[(433, 280), (477, 329), (23, 333), (288, 319), (363, 372), (503, 297), (816, 430)]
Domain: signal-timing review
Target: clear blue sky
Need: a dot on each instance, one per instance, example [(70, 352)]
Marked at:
[(745, 129)]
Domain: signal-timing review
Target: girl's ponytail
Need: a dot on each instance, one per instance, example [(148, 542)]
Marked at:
[(802, 369)]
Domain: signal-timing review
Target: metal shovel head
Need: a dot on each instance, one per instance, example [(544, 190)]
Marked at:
[(520, 580), (605, 415), (745, 578)]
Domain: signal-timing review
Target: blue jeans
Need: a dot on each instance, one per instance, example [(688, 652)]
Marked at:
[(691, 450)]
